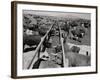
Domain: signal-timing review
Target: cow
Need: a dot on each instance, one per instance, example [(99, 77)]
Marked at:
[(42, 31), (75, 49), (66, 28), (87, 25), (75, 59), (57, 48), (79, 33), (51, 33), (29, 32), (44, 55), (31, 40), (46, 44), (81, 49)]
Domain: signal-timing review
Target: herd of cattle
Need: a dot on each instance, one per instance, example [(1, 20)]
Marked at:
[(75, 31), (32, 37)]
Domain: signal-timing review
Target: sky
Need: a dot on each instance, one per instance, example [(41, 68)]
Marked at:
[(59, 14)]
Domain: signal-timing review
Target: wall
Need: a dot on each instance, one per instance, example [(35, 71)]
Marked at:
[(5, 40)]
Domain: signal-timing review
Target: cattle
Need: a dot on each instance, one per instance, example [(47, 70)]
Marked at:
[(73, 24), (79, 33), (58, 48), (87, 25), (57, 56), (33, 27), (75, 49), (51, 33), (64, 36), (66, 27), (46, 44), (77, 59), (84, 49), (44, 55), (42, 31), (31, 40), (29, 32), (37, 63), (76, 38)]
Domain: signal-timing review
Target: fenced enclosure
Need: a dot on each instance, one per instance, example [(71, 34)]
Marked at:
[(61, 42)]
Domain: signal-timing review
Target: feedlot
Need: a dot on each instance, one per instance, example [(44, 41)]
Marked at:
[(55, 42)]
